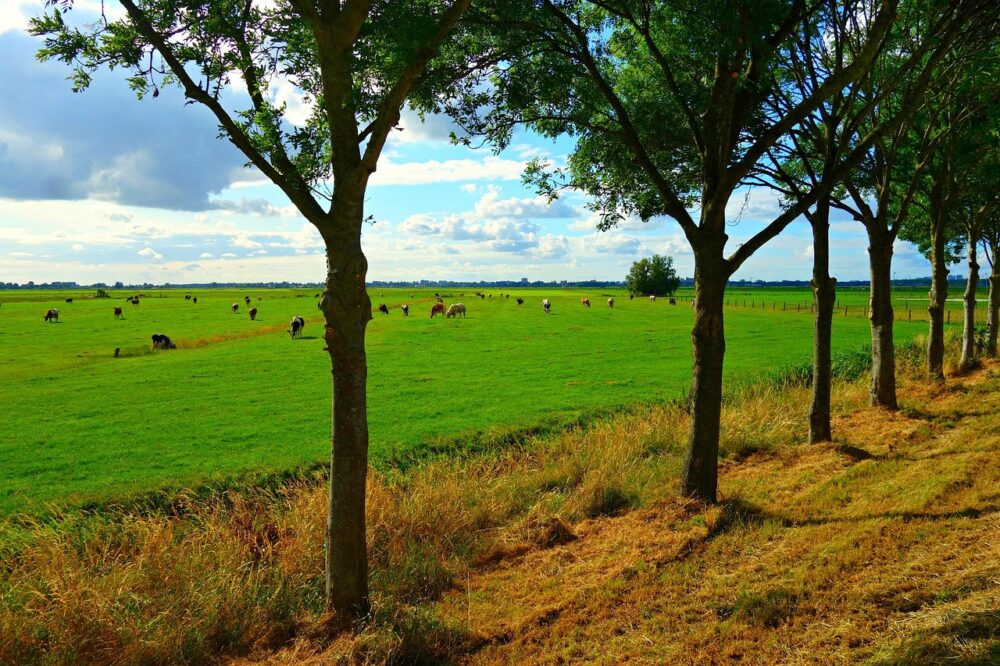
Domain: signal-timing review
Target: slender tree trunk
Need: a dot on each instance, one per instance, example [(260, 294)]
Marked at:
[(824, 295), (938, 297), (883, 389), (994, 313), (347, 309), (969, 329), (699, 478)]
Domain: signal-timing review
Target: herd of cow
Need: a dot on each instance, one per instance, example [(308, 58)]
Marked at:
[(162, 342)]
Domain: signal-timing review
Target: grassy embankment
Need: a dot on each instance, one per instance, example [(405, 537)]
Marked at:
[(239, 399), (880, 548)]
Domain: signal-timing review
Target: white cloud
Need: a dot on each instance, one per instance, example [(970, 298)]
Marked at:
[(78, 247), (469, 188), (150, 252), (228, 255), (205, 255), (448, 171), (244, 241)]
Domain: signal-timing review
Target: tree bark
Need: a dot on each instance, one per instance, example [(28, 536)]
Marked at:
[(969, 328), (824, 295), (883, 388), (994, 313), (699, 478), (347, 310), (938, 297)]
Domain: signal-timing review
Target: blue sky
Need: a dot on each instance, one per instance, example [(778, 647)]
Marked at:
[(100, 187)]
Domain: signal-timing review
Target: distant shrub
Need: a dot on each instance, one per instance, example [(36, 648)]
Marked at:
[(103, 293)]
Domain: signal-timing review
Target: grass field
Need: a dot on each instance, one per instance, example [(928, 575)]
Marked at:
[(240, 396)]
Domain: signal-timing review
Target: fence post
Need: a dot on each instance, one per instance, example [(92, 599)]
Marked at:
[(909, 315), (845, 310)]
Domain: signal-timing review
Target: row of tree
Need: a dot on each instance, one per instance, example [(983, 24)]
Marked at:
[(877, 107)]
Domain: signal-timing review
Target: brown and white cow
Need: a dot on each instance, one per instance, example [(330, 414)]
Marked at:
[(118, 313), (253, 314), (585, 302), (51, 315), (437, 308)]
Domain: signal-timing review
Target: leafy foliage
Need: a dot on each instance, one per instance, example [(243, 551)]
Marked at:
[(653, 276)]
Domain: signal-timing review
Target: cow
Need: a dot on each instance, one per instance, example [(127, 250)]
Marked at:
[(135, 300), (672, 301), (520, 301), (253, 314), (295, 328), (454, 310), (611, 302), (246, 299), (118, 313), (383, 308), (406, 310), (631, 297), (585, 302), (195, 300), (51, 315), (236, 308), (69, 300), (547, 306), (437, 308), (652, 298), (187, 297), (161, 341)]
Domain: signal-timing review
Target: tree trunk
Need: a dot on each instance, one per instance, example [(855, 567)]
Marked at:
[(347, 309), (938, 297), (699, 478), (824, 295), (994, 313), (969, 329), (883, 389)]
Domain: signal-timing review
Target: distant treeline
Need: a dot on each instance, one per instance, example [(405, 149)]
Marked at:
[(447, 284)]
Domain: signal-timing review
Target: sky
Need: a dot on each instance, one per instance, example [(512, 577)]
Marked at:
[(101, 187)]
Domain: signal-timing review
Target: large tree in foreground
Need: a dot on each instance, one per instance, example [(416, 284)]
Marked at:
[(668, 106), (357, 62)]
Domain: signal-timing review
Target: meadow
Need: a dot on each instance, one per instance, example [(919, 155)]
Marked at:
[(239, 399)]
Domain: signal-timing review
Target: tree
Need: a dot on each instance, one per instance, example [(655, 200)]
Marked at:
[(357, 62), (653, 277), (828, 136), (667, 103)]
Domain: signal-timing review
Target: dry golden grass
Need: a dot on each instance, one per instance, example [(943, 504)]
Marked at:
[(881, 547)]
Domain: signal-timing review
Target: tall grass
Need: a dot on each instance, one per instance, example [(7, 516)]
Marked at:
[(198, 577)]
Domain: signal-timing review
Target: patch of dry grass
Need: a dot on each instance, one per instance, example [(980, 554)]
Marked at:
[(880, 546)]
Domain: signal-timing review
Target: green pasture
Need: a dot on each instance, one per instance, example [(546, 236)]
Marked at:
[(78, 425)]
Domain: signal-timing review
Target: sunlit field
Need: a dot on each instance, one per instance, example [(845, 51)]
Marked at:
[(239, 397)]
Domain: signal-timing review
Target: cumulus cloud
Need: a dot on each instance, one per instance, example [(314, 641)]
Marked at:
[(253, 207), (150, 253), (433, 171), (103, 143), (205, 255)]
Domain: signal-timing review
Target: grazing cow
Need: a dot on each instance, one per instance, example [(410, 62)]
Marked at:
[(52, 315), (585, 302), (187, 297), (194, 300), (547, 306), (118, 313), (298, 323), (383, 308), (611, 302), (652, 298), (246, 299), (253, 314), (135, 300), (631, 297), (520, 301), (491, 295), (437, 308), (236, 308), (672, 301), (454, 310), (406, 310), (69, 300), (161, 341)]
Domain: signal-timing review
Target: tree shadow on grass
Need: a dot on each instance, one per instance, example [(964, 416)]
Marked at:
[(968, 639)]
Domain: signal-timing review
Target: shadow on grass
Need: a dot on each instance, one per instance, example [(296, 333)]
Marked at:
[(969, 639)]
